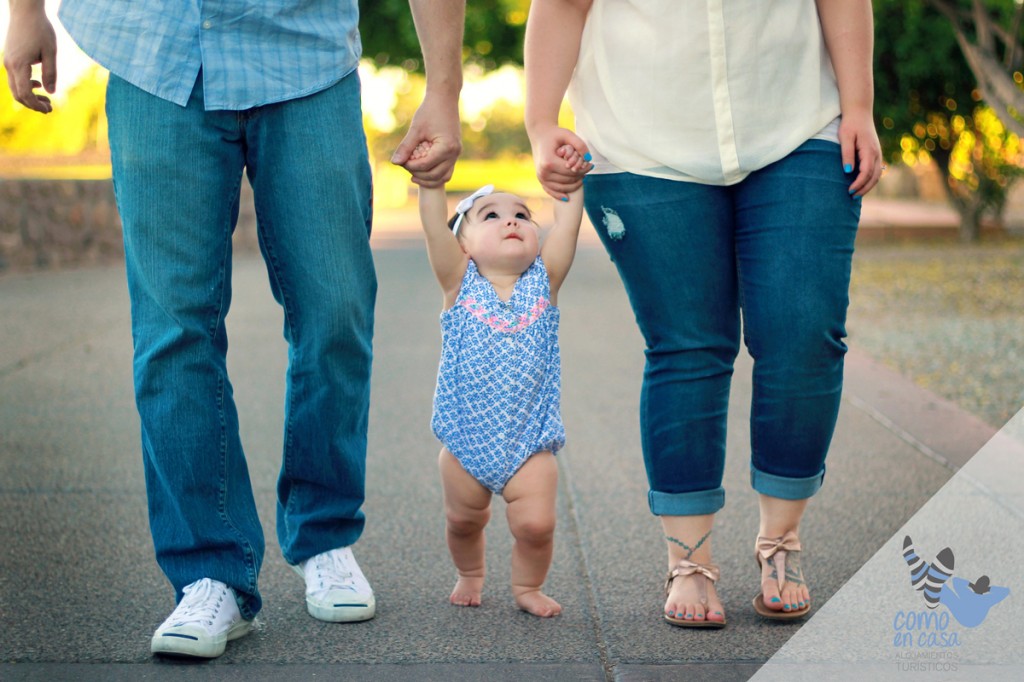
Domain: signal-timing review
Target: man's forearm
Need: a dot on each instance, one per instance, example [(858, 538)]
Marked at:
[(26, 4), (439, 27)]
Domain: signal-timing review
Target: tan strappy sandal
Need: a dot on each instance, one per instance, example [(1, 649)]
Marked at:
[(702, 573), (775, 552)]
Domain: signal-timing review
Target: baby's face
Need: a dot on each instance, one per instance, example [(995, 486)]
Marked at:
[(499, 231)]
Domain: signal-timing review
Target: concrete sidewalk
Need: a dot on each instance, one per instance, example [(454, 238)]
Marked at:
[(80, 593)]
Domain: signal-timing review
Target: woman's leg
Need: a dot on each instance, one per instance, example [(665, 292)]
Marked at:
[(685, 599), (672, 243), (779, 517), (795, 230)]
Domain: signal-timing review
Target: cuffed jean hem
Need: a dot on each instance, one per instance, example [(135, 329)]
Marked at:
[(784, 487), (694, 503)]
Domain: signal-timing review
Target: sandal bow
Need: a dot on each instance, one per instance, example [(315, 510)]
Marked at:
[(778, 547), (686, 567)]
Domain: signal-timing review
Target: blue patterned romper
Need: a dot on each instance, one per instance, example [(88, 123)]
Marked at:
[(499, 383)]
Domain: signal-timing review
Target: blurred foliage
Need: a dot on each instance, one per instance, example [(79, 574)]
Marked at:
[(491, 111), (493, 35), (930, 109), (77, 124), (927, 100)]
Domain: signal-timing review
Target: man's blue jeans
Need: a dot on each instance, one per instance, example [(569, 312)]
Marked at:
[(177, 173), (778, 247)]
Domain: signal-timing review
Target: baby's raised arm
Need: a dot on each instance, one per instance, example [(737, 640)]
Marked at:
[(447, 259), (560, 246)]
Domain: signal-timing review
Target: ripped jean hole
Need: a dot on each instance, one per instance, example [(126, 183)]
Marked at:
[(613, 224)]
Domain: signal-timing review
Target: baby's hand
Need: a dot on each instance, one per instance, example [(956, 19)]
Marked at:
[(421, 150), (573, 160)]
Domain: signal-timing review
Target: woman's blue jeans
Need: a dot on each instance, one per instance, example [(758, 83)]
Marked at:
[(177, 173), (778, 247)]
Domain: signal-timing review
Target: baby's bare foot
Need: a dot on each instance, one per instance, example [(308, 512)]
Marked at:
[(538, 603), (467, 591)]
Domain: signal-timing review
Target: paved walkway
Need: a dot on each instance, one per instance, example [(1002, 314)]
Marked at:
[(80, 593)]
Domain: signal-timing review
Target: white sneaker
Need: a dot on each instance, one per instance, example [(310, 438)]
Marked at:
[(203, 622), (336, 590)]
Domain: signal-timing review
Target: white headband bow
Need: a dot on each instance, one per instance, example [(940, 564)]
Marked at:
[(467, 204)]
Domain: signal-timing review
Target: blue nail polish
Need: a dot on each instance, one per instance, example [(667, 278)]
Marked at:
[(775, 600), (847, 168), (587, 157), (853, 191), (565, 198)]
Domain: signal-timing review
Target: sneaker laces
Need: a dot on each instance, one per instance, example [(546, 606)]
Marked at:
[(200, 604), (332, 572)]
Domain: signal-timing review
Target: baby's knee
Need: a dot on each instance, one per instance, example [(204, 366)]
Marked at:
[(467, 522), (535, 529)]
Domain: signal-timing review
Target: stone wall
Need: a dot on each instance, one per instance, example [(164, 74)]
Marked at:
[(73, 223), (57, 223)]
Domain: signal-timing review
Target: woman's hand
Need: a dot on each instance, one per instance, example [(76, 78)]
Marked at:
[(861, 151), (561, 158)]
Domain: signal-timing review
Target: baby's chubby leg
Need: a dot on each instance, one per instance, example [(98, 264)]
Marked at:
[(467, 508), (530, 494)]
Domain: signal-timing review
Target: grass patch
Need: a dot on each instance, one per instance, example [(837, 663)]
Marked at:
[(948, 316)]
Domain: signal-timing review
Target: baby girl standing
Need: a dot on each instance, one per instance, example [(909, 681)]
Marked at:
[(497, 405)]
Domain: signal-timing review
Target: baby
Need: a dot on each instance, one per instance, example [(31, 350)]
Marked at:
[(496, 408)]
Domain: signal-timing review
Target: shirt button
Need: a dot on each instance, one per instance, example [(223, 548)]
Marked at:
[(207, 24)]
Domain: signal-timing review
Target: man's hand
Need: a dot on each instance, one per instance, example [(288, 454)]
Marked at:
[(435, 127), (435, 132), (31, 40)]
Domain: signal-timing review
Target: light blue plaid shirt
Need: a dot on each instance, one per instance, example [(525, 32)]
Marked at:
[(251, 53)]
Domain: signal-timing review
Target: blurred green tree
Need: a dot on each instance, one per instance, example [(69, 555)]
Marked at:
[(980, 31), (931, 107), (493, 37)]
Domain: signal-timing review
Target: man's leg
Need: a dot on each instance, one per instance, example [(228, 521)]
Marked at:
[(307, 161), (176, 175)]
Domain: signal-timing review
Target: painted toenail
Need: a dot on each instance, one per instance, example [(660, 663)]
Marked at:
[(688, 616), (670, 614), (775, 600)]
